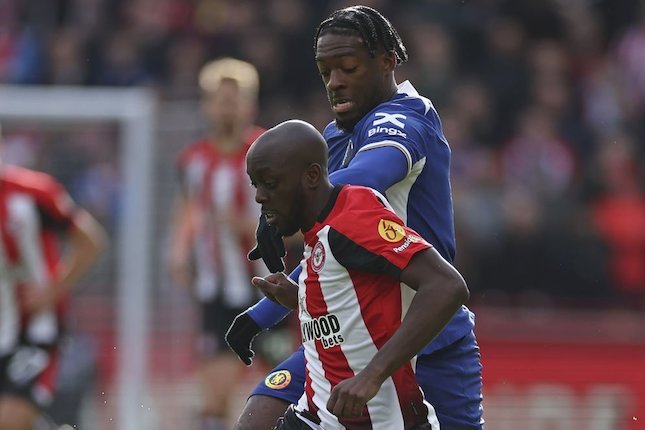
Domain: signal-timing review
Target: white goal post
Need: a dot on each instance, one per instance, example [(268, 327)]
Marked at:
[(134, 109)]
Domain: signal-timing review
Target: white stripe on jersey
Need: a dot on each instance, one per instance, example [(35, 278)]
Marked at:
[(406, 87), (399, 193), (394, 144), (22, 212), (319, 385), (234, 270), (8, 305)]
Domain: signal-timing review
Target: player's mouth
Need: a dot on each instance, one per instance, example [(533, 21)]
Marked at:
[(270, 216), (342, 105)]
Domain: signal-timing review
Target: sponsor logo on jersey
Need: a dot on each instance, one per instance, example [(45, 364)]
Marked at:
[(318, 257), (325, 328), (409, 239), (387, 130), (278, 379), (390, 231), (393, 118), (387, 123)]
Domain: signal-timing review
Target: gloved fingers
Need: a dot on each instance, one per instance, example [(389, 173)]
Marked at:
[(255, 253)]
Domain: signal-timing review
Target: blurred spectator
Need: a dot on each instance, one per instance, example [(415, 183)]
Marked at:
[(537, 159), (121, 63), (630, 56), (618, 212)]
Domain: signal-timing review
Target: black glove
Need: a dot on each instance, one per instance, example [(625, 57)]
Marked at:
[(269, 246), (240, 335), (291, 421)]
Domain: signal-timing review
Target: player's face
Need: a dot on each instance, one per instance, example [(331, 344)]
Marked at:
[(227, 107), (279, 190), (356, 83)]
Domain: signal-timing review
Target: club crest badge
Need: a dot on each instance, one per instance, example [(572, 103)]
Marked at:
[(278, 379), (318, 257)]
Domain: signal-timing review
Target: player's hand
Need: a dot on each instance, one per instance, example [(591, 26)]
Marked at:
[(349, 397), (269, 246), (38, 299), (240, 335), (180, 271), (278, 288)]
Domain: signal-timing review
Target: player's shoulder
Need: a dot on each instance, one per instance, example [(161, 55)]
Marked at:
[(355, 200), (28, 180), (331, 130), (399, 117), (194, 149)]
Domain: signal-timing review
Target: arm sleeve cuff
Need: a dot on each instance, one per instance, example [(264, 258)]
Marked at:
[(267, 313)]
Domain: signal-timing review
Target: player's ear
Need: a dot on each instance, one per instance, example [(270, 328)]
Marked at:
[(388, 61), (312, 175)]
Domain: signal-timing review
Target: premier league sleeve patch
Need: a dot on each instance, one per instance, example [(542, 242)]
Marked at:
[(390, 231), (278, 380)]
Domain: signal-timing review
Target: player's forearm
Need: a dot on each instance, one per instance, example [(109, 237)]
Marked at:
[(431, 309), (378, 168), (183, 227), (267, 313), (87, 240)]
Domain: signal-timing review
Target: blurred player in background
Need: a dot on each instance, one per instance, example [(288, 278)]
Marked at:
[(214, 225), (46, 244), (388, 137)]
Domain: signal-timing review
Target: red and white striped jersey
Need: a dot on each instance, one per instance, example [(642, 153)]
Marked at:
[(350, 304), (218, 183), (34, 209)]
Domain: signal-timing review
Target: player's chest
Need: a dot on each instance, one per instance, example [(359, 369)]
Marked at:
[(342, 149), (217, 183), (20, 223)]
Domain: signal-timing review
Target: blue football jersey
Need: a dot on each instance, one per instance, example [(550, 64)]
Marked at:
[(422, 195)]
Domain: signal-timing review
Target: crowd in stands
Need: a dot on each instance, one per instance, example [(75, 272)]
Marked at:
[(543, 103)]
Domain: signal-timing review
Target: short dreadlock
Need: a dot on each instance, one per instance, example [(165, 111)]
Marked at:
[(375, 30)]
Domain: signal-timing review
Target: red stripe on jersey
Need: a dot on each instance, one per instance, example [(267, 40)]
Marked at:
[(48, 377), (413, 409), (333, 360), (375, 292), (379, 297)]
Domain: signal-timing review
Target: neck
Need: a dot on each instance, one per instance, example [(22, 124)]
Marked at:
[(227, 139), (316, 203)]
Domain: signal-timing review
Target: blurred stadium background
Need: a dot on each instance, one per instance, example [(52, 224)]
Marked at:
[(543, 103)]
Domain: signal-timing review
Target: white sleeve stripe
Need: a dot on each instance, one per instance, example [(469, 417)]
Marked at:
[(394, 144)]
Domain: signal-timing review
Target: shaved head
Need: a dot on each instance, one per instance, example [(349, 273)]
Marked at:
[(296, 142), (287, 165)]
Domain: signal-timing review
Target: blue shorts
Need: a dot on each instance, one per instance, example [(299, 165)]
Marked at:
[(451, 379)]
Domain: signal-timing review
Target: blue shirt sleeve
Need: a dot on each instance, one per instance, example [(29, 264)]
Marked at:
[(267, 313), (377, 168)]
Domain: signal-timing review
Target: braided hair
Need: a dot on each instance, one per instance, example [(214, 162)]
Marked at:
[(375, 30)]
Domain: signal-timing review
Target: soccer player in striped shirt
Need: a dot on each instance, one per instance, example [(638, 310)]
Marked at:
[(361, 323), (36, 277), (388, 137)]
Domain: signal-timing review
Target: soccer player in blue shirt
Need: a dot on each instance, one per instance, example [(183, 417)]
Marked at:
[(388, 137)]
